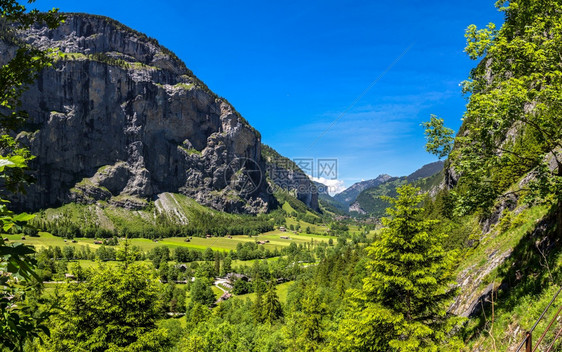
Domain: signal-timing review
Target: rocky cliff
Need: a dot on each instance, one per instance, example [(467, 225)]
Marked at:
[(120, 118)]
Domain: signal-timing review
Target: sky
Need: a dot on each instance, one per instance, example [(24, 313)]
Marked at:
[(344, 84)]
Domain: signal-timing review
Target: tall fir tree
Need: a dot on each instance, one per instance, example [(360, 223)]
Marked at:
[(271, 310), (402, 305)]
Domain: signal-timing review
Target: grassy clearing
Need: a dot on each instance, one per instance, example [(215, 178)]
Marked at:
[(282, 292)]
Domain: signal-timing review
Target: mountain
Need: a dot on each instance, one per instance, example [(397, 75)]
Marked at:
[(119, 118), (369, 201), (285, 175), (327, 202), (348, 196), (427, 170)]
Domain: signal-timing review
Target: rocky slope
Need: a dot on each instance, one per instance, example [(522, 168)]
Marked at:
[(120, 118)]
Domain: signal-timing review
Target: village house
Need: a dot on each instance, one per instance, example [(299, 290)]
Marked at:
[(233, 277)]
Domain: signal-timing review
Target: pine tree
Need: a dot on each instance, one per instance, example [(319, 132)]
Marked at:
[(271, 309), (402, 304)]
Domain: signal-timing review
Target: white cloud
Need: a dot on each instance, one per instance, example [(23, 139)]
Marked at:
[(333, 186)]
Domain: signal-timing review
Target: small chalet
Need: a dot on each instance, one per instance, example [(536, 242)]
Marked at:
[(98, 242), (285, 237), (69, 276), (282, 228)]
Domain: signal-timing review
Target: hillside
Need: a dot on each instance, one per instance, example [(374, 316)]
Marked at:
[(161, 222), (348, 196), (369, 202)]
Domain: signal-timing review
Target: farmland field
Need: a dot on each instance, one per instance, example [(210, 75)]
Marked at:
[(46, 239), (282, 291)]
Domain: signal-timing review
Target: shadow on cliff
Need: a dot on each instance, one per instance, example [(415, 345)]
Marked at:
[(528, 272)]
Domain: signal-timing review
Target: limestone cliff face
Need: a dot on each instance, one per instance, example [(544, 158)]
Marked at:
[(119, 118)]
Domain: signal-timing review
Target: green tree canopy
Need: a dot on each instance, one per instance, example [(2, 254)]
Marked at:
[(202, 293), (512, 121), (402, 304), (115, 309)]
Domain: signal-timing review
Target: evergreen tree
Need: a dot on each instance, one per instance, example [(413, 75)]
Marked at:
[(257, 309), (226, 265), (402, 304), (271, 309)]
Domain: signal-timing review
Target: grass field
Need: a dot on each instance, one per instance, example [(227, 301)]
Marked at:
[(282, 292), (45, 239)]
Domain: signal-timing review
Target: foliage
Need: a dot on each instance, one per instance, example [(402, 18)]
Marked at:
[(271, 309), (202, 222), (201, 292), (512, 122), (439, 138), (18, 322), (410, 283), (112, 310)]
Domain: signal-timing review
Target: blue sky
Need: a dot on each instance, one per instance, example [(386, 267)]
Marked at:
[(291, 68)]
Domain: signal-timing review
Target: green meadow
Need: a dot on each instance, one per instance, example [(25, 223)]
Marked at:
[(45, 239)]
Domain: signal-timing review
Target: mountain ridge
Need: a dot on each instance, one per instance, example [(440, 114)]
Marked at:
[(368, 202), (349, 195)]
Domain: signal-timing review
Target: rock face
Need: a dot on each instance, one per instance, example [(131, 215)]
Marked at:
[(355, 207), (120, 118)]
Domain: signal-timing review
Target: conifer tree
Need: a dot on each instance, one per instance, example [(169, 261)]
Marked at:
[(402, 304), (271, 309)]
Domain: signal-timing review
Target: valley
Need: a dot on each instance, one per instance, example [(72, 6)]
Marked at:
[(141, 211)]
